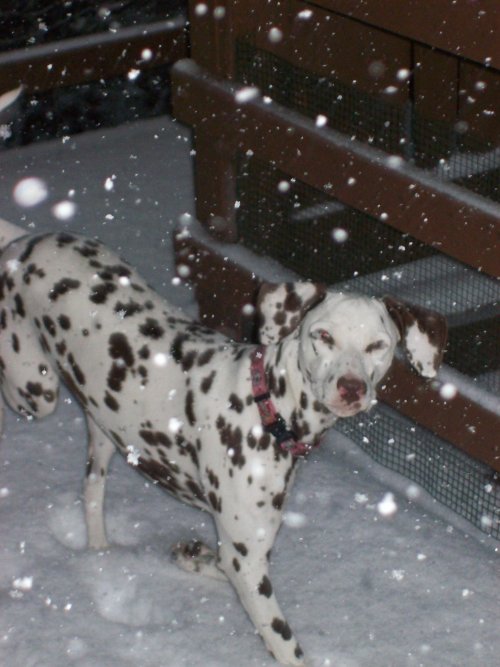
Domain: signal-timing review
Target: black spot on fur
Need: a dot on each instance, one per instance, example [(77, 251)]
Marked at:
[(215, 501), (64, 322), (196, 490), (72, 385), (77, 371), (188, 360), (206, 383), (116, 376), (176, 347), (19, 306), (34, 388), (119, 348), (190, 407), (155, 438), (212, 478), (144, 352), (111, 402), (32, 270), (236, 564), (205, 357), (61, 347), (152, 329), (62, 287), (128, 309), (278, 500), (15, 343), (236, 404), (231, 437), (49, 324), (30, 246), (88, 249), (163, 473), (99, 293), (265, 587), (240, 548), (282, 628), (64, 239)]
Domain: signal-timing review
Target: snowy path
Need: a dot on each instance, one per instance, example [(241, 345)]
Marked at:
[(361, 589)]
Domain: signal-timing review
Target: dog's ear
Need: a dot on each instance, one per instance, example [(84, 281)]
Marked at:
[(423, 334), (281, 307)]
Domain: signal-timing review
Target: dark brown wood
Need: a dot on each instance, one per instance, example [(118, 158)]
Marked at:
[(348, 51), (479, 100), (447, 217), (91, 57), (464, 423), (467, 29), (223, 288), (435, 85), (215, 185)]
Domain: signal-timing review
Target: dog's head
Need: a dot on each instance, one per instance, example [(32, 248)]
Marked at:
[(347, 341)]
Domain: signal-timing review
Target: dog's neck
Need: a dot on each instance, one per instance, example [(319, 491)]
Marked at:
[(292, 394)]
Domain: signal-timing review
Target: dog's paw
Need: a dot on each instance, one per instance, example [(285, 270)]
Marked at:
[(196, 557)]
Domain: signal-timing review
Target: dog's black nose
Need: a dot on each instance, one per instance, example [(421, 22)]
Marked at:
[(351, 389)]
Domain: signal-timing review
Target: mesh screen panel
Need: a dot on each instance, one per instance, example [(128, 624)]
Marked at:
[(451, 477), (452, 153), (323, 240)]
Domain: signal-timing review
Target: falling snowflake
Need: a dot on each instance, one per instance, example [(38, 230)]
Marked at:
[(109, 183), (275, 35), (160, 359), (387, 506), (132, 455), (246, 94), (174, 425), (448, 391), (30, 192), (64, 210)]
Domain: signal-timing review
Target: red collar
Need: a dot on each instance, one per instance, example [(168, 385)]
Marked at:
[(272, 421)]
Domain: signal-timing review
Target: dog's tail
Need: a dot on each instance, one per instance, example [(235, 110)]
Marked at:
[(9, 233)]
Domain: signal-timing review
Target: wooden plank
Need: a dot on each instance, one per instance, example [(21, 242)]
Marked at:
[(435, 85), (102, 55), (479, 101), (215, 186), (223, 288), (466, 29), (356, 54), (447, 217)]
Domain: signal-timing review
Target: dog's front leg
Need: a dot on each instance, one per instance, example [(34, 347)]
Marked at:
[(100, 451), (245, 562)]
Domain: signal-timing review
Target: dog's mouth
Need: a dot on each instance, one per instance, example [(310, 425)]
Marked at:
[(341, 408)]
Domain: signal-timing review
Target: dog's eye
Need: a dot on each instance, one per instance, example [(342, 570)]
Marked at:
[(325, 337), (376, 346)]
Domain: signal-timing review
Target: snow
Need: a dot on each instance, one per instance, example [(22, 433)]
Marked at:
[(406, 588)]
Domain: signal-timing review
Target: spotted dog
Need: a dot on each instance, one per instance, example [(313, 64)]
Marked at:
[(218, 424)]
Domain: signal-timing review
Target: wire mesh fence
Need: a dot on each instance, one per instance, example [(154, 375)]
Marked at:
[(321, 239), (448, 150)]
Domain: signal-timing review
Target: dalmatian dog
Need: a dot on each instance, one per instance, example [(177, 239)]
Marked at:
[(218, 424)]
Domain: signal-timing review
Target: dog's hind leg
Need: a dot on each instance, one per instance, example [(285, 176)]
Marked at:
[(29, 384), (100, 451)]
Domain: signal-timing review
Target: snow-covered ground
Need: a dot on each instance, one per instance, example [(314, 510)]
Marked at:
[(367, 579)]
